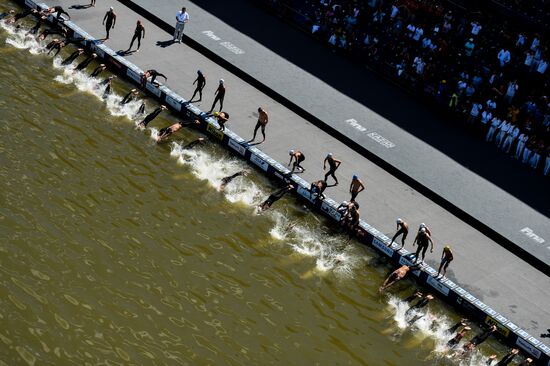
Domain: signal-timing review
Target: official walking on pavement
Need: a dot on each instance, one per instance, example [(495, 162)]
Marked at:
[(182, 17), (109, 20)]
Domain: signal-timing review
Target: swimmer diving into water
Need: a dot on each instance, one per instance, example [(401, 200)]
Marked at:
[(396, 276), (151, 116), (132, 94), (86, 62), (167, 131), (275, 196), (69, 60), (98, 70), (226, 180)]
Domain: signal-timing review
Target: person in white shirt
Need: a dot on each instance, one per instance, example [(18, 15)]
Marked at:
[(394, 11), (474, 112), (495, 123), (491, 105), (510, 91), (547, 166), (527, 150), (418, 33), (426, 42), (502, 131), (410, 30), (476, 27), (182, 17), (521, 40), (419, 64), (485, 118), (504, 57), (541, 67), (535, 158), (513, 133), (529, 58), (521, 144), (535, 43)]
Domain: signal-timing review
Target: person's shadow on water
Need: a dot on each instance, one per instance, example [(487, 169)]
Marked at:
[(80, 7), (164, 44)]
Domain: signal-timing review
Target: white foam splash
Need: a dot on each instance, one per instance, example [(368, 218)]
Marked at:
[(434, 326), (207, 167), (19, 38), (331, 253), (94, 86)]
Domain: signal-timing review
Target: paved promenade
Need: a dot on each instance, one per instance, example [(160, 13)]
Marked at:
[(467, 173), (497, 277)]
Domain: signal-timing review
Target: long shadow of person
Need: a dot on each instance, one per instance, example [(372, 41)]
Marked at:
[(80, 7), (164, 44)]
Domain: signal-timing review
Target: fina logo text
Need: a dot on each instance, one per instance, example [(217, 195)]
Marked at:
[(530, 234)]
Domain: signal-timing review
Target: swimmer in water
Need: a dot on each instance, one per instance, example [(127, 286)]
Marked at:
[(454, 328), (132, 94), (167, 131), (69, 60), (141, 110), (86, 62), (108, 88), (396, 276), (226, 180), (151, 116), (422, 302), (6, 14), (275, 196), (482, 337), (291, 225), (453, 342), (402, 228), (21, 15), (36, 27), (98, 70), (50, 31), (55, 44), (507, 358), (192, 144), (153, 74)]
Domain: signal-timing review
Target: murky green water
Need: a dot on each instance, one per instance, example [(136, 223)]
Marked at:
[(117, 251)]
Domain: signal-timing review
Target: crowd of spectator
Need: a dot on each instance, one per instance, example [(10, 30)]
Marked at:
[(481, 68)]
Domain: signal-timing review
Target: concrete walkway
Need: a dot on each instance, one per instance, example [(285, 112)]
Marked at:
[(497, 277)]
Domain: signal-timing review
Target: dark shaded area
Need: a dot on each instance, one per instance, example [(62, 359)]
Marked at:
[(420, 118), (164, 44), (80, 7)]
